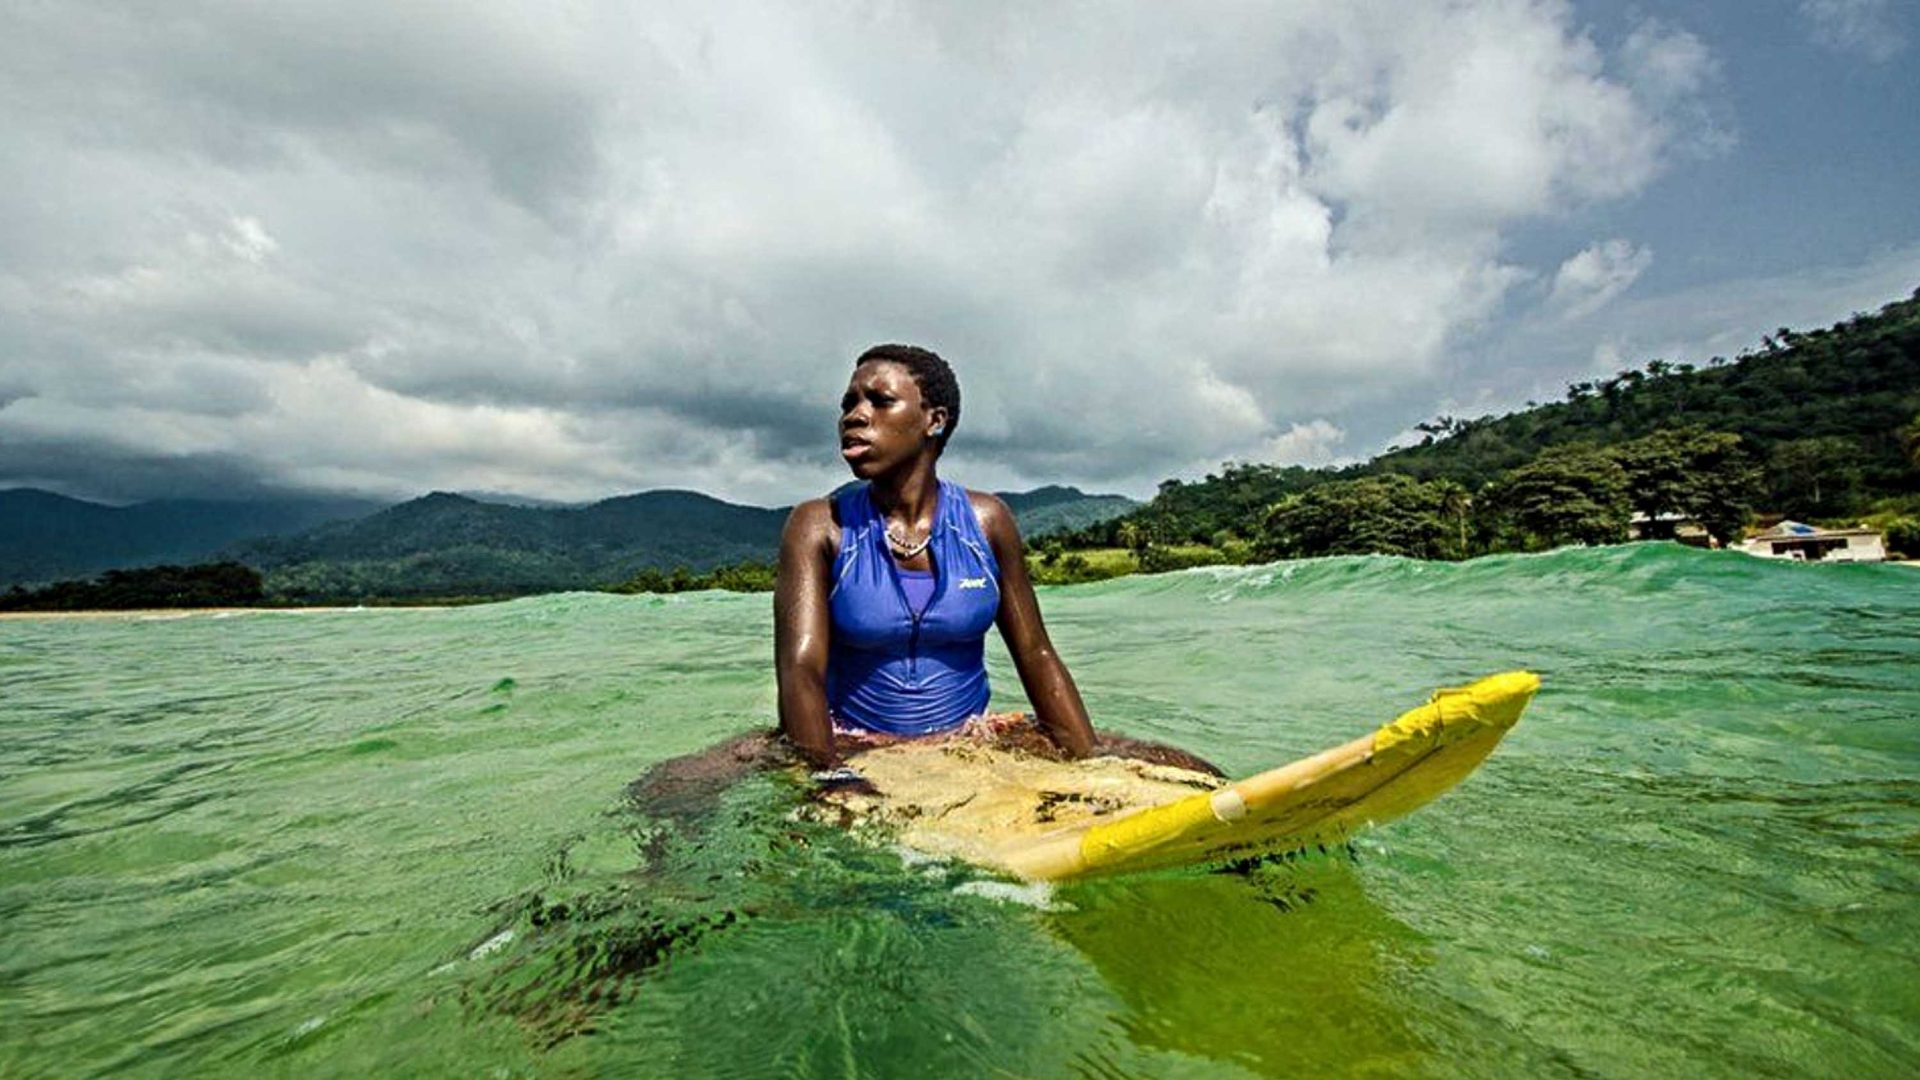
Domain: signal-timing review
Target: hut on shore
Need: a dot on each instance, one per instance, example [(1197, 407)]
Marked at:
[(1810, 543)]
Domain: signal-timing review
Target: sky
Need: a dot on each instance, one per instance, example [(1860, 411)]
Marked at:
[(570, 250)]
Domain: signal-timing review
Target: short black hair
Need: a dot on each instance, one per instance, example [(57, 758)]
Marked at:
[(938, 388)]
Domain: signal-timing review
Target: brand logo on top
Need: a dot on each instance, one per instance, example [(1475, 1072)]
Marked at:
[(973, 583)]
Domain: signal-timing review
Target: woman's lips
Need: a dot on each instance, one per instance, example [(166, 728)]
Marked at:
[(854, 451)]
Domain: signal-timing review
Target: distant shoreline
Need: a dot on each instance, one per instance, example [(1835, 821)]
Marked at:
[(186, 613)]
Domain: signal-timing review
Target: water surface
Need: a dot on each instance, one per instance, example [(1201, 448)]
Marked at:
[(327, 843)]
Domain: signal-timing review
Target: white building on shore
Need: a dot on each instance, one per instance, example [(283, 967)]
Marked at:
[(1810, 543)]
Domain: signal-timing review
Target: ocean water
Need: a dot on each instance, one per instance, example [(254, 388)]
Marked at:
[(400, 843)]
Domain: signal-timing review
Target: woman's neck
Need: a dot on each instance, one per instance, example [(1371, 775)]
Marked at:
[(910, 497)]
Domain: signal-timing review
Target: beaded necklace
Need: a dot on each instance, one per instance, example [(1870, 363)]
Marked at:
[(902, 550)]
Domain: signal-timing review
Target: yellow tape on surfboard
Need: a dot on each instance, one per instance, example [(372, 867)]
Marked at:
[(1047, 820)]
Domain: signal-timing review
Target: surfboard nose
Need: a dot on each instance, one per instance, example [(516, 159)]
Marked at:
[(1499, 699), (1455, 712)]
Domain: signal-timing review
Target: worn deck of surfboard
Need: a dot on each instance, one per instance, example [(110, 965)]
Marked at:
[(1047, 820), (968, 800)]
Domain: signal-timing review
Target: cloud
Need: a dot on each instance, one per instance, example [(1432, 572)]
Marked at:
[(1867, 28), (1314, 443), (1590, 280), (576, 251), (110, 471), (1535, 357), (1678, 79)]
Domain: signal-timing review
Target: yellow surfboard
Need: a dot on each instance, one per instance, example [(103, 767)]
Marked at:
[(1046, 821)]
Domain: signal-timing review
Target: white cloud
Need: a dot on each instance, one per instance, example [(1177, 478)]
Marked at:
[(1677, 78), (1316, 442), (1536, 357), (1666, 63), (1589, 280), (1867, 28), (248, 239), (581, 250)]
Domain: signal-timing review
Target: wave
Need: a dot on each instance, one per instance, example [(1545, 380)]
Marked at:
[(1627, 570)]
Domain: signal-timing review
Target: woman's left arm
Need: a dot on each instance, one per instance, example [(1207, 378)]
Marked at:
[(1056, 701)]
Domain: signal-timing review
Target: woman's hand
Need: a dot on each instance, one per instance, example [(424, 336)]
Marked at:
[(1056, 700)]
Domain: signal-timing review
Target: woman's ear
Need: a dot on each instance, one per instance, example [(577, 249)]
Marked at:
[(938, 425)]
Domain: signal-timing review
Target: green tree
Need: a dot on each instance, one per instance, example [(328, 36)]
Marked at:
[(1816, 477), (1456, 507), (1567, 495), (1703, 475), (1050, 551), (205, 585), (1135, 537), (1903, 536), (1385, 515)]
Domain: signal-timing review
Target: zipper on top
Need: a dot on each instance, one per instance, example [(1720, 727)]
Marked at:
[(893, 571), (914, 618)]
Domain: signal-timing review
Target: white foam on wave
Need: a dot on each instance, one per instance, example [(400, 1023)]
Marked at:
[(492, 945), (308, 1026), (1034, 894)]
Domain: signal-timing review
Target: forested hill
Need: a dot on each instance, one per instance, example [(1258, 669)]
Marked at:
[(447, 545), (1827, 418), (1858, 382), (438, 545), (1054, 509), (444, 544), (45, 536)]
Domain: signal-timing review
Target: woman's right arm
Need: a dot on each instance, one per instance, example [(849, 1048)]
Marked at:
[(801, 624)]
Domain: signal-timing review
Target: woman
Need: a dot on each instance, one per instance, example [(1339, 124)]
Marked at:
[(885, 592), (883, 599)]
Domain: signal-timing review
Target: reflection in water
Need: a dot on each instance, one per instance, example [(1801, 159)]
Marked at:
[(1288, 971), (664, 934), (668, 939)]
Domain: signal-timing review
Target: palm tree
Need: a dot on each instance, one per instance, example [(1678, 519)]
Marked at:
[(1456, 504), (1133, 538)]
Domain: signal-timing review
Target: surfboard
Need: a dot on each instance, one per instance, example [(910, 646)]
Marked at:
[(1045, 820)]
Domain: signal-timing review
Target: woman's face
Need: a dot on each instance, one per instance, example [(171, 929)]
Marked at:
[(883, 421)]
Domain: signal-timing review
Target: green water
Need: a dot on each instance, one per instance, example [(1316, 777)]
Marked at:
[(398, 842)]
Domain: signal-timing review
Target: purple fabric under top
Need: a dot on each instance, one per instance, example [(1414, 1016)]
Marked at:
[(918, 585)]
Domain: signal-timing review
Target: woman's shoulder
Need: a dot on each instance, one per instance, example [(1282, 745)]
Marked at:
[(985, 502), (814, 522), (995, 517)]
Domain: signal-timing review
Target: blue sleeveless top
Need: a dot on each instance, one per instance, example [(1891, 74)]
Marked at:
[(892, 670)]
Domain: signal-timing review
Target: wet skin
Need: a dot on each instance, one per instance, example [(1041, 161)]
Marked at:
[(887, 437)]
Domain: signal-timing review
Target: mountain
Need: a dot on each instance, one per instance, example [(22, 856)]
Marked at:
[(441, 544), (505, 498), (1857, 382), (1051, 509), (46, 537), (1830, 418), (444, 544), (1057, 509)]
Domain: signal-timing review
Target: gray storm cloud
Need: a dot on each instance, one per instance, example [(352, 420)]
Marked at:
[(583, 250)]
